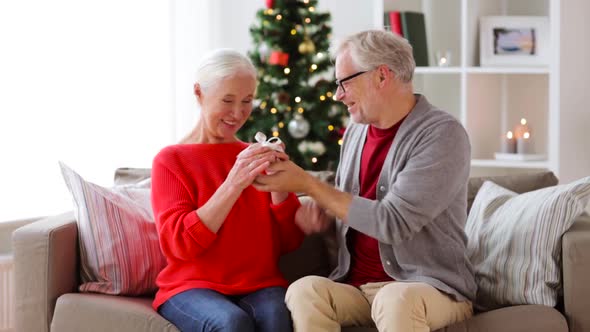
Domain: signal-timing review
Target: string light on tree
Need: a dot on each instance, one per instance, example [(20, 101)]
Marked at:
[(275, 131)]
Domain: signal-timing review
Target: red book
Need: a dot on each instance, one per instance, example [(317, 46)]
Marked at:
[(395, 22)]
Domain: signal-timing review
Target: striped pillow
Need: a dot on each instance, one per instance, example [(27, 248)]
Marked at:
[(514, 242), (119, 248)]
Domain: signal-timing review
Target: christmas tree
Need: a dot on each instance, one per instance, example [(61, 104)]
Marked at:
[(295, 96)]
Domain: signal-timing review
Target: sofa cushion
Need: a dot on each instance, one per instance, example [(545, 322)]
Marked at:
[(514, 242), (519, 183), (119, 248), (136, 314), (536, 318), (77, 312)]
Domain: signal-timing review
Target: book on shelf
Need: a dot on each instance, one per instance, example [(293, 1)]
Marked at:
[(395, 23), (386, 22), (519, 156), (411, 26), (414, 30)]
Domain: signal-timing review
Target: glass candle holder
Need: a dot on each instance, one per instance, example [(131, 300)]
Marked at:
[(442, 58)]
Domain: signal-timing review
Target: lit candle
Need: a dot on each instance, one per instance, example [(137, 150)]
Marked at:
[(508, 144), (521, 129), (524, 143)]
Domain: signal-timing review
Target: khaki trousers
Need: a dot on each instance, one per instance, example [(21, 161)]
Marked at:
[(320, 304)]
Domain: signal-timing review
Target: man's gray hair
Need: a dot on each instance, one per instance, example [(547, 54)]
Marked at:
[(372, 48), (220, 64)]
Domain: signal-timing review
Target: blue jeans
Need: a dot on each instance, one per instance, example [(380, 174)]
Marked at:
[(201, 310)]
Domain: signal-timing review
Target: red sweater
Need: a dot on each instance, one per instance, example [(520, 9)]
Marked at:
[(365, 265), (243, 256)]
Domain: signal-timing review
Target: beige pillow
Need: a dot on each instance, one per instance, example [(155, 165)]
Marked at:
[(514, 242), (519, 183)]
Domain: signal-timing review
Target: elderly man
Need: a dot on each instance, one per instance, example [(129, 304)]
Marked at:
[(399, 202)]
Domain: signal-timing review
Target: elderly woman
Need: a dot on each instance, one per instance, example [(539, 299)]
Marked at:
[(221, 237)]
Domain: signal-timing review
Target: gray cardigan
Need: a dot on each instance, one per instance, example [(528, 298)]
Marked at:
[(421, 207)]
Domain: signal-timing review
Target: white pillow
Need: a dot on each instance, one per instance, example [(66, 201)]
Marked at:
[(514, 242), (119, 246)]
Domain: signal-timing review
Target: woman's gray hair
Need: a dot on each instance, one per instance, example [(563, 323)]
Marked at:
[(372, 48), (220, 64)]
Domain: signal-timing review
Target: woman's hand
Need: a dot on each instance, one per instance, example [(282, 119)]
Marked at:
[(279, 196), (250, 163), (311, 218)]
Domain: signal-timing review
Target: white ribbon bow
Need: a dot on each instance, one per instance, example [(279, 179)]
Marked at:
[(273, 142)]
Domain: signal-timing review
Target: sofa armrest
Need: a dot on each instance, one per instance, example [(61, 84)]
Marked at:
[(576, 273), (45, 267)]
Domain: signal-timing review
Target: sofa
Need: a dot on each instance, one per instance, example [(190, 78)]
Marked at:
[(47, 264)]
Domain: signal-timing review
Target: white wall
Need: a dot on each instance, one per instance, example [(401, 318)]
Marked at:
[(190, 40), (574, 122), (86, 82)]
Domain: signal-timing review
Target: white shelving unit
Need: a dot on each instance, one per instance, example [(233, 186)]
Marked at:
[(488, 100)]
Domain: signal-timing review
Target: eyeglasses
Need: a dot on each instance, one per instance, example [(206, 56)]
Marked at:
[(348, 78)]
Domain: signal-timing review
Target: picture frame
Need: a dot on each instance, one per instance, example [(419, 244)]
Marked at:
[(521, 41)]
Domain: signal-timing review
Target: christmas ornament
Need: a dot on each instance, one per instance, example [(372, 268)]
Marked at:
[(314, 148), (279, 58), (270, 3), (307, 46), (263, 51), (298, 127), (334, 110), (283, 97)]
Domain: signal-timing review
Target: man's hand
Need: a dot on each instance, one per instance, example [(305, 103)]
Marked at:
[(285, 176), (288, 177), (311, 218)]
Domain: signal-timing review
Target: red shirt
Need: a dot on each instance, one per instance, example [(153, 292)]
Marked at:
[(243, 256), (365, 264)]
